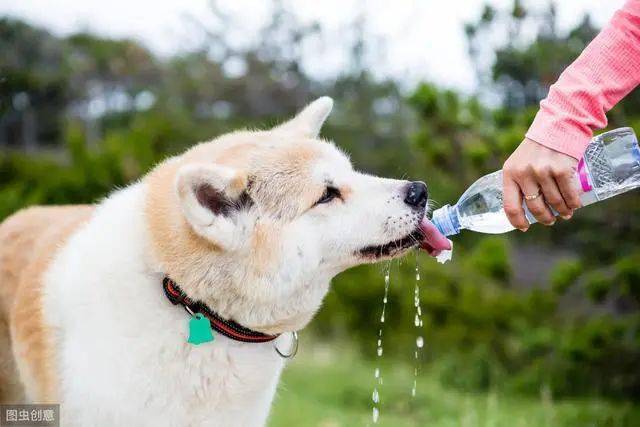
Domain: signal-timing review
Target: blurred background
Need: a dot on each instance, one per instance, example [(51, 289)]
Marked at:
[(535, 329)]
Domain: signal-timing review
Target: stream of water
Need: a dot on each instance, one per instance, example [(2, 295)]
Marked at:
[(417, 322), (375, 397)]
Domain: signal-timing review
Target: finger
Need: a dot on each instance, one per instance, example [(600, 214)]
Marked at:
[(536, 206), (569, 189), (512, 201), (553, 196)]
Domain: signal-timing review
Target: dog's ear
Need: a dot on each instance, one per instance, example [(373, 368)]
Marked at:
[(210, 197), (309, 121)]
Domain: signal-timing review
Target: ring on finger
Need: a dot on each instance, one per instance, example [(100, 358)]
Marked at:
[(529, 197)]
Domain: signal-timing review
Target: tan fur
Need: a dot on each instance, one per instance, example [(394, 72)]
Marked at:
[(233, 150), (282, 175), (28, 242), (264, 241), (182, 252), (171, 236), (345, 192)]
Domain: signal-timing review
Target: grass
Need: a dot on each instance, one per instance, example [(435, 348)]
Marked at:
[(330, 386)]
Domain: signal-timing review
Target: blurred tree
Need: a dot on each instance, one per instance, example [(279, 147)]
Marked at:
[(33, 85), (522, 70)]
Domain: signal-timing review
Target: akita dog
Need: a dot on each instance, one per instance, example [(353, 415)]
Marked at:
[(243, 233)]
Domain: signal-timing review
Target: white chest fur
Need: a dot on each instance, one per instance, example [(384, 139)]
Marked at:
[(121, 348)]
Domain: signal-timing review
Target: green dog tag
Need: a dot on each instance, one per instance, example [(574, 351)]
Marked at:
[(199, 330)]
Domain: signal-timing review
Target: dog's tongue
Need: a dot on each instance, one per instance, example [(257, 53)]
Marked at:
[(434, 242)]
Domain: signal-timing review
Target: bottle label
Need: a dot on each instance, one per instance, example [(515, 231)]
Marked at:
[(584, 177)]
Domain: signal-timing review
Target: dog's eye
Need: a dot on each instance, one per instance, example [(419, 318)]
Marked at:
[(329, 194)]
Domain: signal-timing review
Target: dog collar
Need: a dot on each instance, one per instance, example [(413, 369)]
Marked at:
[(226, 327)]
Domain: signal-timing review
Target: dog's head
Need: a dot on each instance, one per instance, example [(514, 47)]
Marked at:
[(257, 223)]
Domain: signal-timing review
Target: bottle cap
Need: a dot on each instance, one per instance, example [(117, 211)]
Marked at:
[(446, 220)]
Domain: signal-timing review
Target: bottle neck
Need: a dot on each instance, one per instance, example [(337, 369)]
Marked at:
[(446, 220)]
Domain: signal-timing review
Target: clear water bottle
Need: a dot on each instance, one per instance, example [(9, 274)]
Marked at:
[(611, 166)]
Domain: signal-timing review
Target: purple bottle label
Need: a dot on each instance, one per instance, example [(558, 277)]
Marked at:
[(584, 178)]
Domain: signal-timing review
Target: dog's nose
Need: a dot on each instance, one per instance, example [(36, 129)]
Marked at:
[(417, 194)]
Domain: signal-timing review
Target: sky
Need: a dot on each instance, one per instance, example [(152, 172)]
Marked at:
[(423, 39)]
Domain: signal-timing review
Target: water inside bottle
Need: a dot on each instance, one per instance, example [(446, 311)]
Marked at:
[(483, 211), (490, 223)]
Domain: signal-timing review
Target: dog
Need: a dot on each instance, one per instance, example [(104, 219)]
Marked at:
[(245, 231)]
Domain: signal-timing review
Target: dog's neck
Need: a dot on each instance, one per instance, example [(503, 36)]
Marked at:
[(226, 327), (290, 312)]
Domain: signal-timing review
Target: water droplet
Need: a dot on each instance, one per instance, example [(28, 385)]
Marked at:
[(379, 351), (376, 415), (382, 319), (421, 323), (420, 342), (413, 391), (417, 321), (375, 397), (377, 373), (379, 342), (419, 311), (384, 300)]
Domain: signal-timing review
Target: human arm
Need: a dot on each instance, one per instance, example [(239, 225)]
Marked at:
[(606, 71)]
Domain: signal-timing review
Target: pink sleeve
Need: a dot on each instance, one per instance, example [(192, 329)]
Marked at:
[(607, 70)]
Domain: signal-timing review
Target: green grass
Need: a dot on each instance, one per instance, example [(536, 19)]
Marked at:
[(330, 386)]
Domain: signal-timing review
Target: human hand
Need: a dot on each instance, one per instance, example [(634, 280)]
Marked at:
[(547, 177)]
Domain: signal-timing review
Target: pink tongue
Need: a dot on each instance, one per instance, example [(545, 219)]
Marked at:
[(434, 242)]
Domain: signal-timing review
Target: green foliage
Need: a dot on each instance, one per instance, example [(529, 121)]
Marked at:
[(627, 275), (598, 286), (565, 274), (491, 258)]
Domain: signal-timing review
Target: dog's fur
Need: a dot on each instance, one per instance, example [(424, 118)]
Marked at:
[(84, 321)]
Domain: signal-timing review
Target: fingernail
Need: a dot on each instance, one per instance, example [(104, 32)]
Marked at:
[(524, 229), (567, 217)]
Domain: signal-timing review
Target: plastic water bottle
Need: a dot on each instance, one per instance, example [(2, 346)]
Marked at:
[(611, 166)]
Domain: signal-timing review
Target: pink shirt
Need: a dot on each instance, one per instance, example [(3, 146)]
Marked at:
[(607, 70)]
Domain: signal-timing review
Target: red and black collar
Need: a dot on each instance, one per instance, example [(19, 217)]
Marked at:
[(228, 328)]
